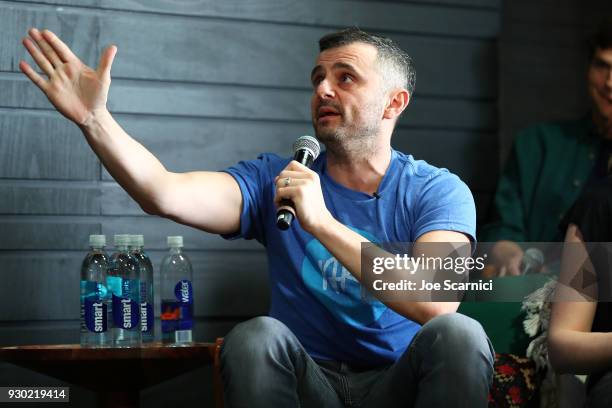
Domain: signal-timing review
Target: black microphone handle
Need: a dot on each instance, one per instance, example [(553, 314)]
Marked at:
[(284, 216)]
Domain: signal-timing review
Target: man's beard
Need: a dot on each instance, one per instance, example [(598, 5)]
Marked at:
[(350, 141)]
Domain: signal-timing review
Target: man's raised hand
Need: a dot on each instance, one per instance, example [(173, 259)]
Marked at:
[(76, 90)]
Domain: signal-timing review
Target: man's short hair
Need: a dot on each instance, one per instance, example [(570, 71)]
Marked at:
[(396, 65), (601, 38)]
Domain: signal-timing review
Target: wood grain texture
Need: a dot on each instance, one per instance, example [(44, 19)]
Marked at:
[(46, 232), (44, 146), (38, 198), (190, 101), (479, 20), (216, 51), (50, 282), (64, 233)]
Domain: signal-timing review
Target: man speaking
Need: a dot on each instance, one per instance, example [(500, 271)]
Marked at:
[(323, 343)]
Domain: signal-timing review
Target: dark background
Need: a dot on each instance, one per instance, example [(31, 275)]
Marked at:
[(204, 84)]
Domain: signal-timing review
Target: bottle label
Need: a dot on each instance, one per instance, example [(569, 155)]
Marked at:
[(125, 312), (186, 320), (170, 315), (93, 308), (114, 285), (95, 315), (184, 291), (146, 317)]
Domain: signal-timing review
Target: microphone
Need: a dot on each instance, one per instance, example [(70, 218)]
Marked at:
[(532, 262), (306, 149)]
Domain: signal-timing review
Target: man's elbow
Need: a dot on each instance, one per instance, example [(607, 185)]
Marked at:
[(159, 207), (150, 209)]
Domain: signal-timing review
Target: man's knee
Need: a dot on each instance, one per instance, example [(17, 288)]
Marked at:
[(457, 336), (253, 339)]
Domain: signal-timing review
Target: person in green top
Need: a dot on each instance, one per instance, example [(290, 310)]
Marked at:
[(551, 164)]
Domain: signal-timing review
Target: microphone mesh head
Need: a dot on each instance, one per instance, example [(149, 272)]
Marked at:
[(309, 143), (533, 257)]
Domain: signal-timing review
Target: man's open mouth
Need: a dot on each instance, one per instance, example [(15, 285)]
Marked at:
[(327, 112)]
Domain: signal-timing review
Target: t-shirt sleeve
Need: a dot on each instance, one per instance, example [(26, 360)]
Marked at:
[(445, 203), (254, 179)]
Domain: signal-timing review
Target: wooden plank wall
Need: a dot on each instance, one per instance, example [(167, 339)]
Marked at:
[(204, 84), (543, 62)]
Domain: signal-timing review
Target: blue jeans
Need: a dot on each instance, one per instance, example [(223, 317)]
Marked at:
[(449, 363)]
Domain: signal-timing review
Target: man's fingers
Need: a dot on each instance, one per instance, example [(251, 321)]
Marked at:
[(38, 56), (45, 47), (106, 61), (289, 193), (62, 50), (34, 77), (296, 165), (286, 182), (292, 174)]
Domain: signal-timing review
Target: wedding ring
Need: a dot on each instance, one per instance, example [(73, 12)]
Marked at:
[(287, 181)]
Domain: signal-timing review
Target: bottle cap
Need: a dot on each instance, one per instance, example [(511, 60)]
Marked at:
[(97, 241), (122, 240), (175, 241), (138, 240), (132, 241)]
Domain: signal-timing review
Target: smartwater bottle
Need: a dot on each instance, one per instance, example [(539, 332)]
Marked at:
[(95, 304), (147, 318), (123, 281), (176, 295)]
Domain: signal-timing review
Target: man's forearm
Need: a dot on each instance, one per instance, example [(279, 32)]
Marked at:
[(139, 172), (345, 245)]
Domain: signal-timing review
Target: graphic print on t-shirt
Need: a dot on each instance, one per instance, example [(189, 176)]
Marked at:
[(335, 287)]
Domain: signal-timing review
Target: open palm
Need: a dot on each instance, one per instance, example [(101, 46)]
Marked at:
[(76, 90)]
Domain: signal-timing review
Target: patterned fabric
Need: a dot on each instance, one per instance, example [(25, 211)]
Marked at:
[(515, 382)]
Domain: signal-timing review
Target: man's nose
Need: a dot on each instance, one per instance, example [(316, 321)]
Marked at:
[(325, 90)]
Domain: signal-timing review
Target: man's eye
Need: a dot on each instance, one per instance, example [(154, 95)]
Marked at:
[(346, 78)]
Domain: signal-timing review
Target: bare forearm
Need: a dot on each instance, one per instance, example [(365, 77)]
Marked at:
[(346, 246), (139, 172), (580, 352)]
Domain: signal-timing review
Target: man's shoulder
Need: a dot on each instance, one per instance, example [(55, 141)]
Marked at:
[(420, 169), (421, 175), (270, 162)]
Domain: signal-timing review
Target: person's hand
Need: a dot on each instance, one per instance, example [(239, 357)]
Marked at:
[(507, 257), (76, 90), (302, 186)]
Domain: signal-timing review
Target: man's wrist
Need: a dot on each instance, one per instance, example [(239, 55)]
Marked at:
[(326, 224), (94, 119)]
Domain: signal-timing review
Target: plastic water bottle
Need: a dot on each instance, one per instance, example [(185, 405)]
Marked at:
[(94, 301), (176, 295), (123, 281), (147, 318)]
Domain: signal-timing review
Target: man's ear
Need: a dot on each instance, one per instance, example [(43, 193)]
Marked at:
[(398, 101)]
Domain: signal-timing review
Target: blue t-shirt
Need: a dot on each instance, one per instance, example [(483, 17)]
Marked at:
[(311, 292)]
